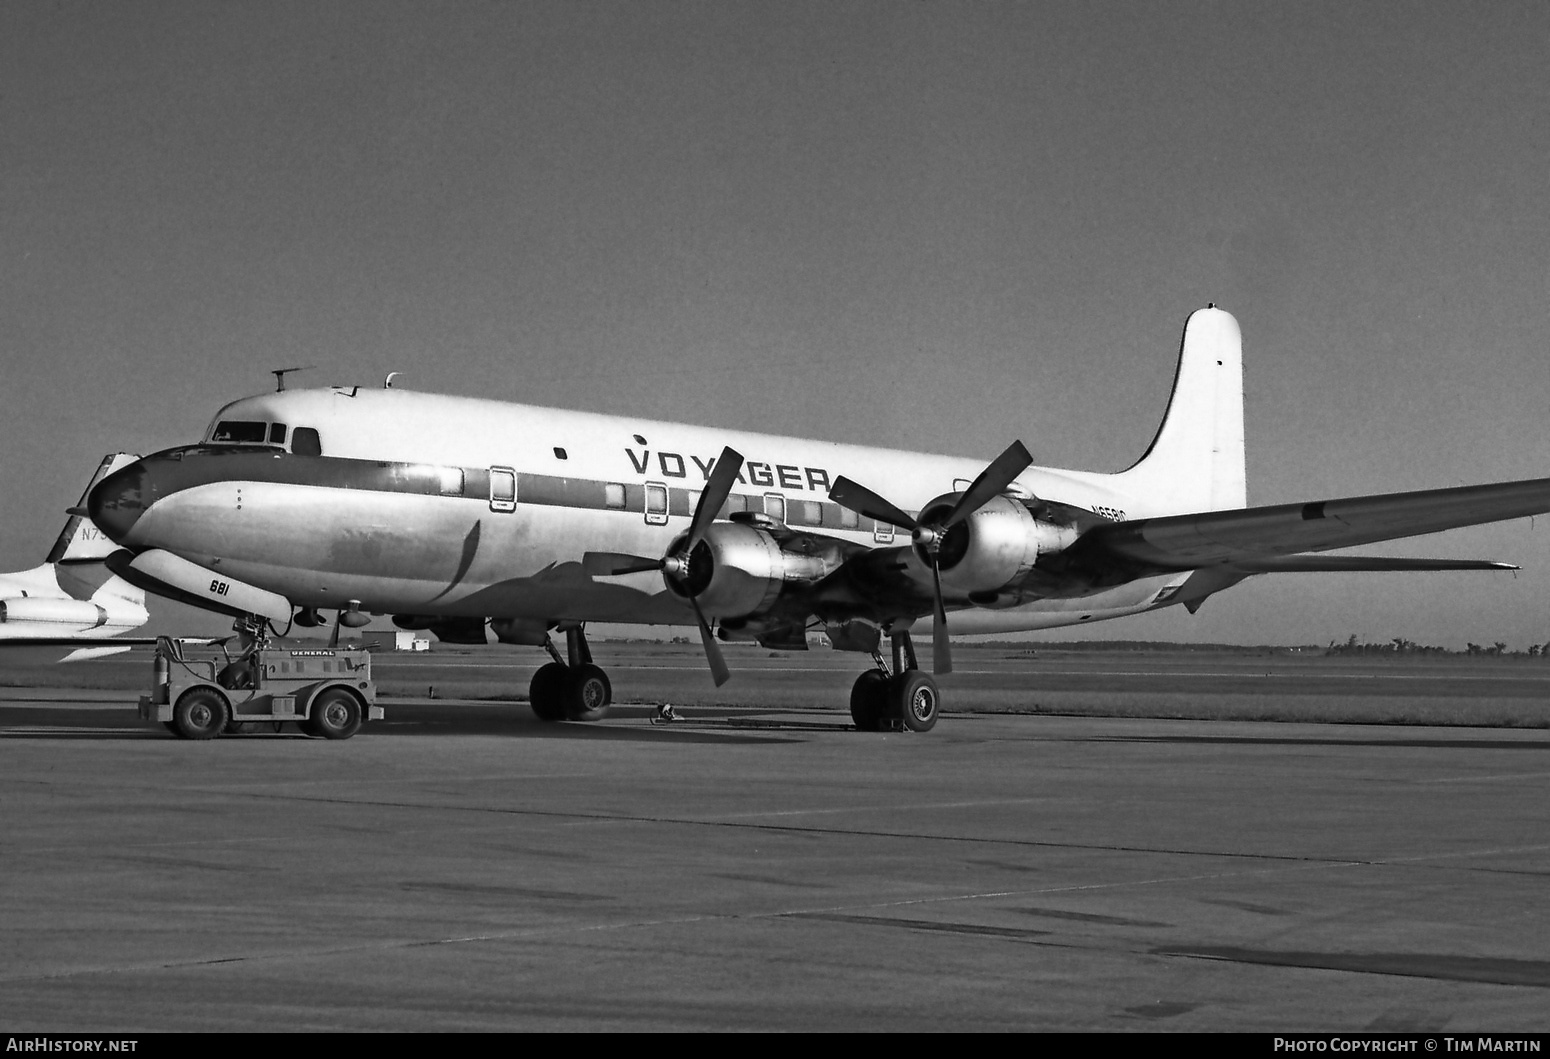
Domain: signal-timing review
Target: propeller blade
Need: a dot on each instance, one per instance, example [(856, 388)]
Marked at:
[(991, 483), (612, 564), (941, 649), (717, 489), (863, 501), (718, 665)]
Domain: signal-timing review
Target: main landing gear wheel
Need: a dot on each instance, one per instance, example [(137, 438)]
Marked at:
[(546, 692), (914, 698), (588, 694), (200, 713), (869, 701), (336, 714)]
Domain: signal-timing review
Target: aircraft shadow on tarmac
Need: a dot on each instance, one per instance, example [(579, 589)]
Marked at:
[(1379, 739), (401, 721)]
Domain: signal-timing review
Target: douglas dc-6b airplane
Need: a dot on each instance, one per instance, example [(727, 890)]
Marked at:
[(476, 518), (72, 607)]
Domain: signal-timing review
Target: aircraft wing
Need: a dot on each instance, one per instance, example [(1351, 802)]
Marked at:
[(46, 650), (1345, 564), (1265, 539)]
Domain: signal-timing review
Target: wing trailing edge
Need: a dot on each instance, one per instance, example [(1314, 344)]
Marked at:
[(1341, 564), (1273, 536)]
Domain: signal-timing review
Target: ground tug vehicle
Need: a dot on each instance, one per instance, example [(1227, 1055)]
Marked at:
[(201, 692)]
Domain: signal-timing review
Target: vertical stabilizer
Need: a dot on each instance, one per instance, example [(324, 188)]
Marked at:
[(1196, 461), (81, 540)]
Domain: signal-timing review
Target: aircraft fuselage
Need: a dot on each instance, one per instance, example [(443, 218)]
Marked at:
[(428, 504)]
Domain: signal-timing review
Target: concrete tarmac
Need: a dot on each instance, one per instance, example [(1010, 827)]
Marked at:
[(461, 866)]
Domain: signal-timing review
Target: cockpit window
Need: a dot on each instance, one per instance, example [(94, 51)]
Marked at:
[(305, 442), (277, 433), (239, 432)]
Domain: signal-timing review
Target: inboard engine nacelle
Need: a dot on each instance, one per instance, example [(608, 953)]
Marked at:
[(994, 547), (738, 569)]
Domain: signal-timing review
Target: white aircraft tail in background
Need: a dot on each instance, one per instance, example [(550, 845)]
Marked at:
[(72, 604)]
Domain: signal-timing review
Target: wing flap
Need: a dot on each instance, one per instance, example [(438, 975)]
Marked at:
[(1187, 542)]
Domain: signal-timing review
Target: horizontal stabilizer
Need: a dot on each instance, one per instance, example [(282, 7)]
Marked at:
[(1320, 564), (86, 654), (1189, 542)]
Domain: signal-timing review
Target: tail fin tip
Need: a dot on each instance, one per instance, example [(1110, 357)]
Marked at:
[(81, 540), (1196, 460)]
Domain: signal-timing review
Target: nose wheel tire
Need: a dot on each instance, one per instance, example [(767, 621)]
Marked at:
[(588, 694), (914, 698), (200, 713), (546, 692)]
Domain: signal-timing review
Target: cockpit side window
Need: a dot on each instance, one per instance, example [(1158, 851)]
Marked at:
[(305, 442), (239, 432), (277, 433)]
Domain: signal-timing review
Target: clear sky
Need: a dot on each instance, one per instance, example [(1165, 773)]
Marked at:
[(927, 225)]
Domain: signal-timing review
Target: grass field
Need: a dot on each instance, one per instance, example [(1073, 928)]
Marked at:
[(1226, 684)]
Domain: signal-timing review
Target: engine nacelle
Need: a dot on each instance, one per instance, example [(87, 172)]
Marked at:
[(737, 570), (993, 547), (76, 612)]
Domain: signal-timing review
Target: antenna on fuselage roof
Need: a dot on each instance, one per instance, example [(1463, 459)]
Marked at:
[(280, 374), (387, 383)]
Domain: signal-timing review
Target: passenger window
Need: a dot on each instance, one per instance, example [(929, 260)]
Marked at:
[(613, 496), (304, 442), (849, 519), (812, 513), (451, 480), (775, 506), (656, 504), (882, 532), (503, 489), (277, 433)]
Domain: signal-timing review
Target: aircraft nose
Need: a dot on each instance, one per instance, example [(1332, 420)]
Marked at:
[(117, 502)]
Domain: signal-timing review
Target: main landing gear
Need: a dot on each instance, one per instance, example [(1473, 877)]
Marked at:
[(906, 696), (570, 688)]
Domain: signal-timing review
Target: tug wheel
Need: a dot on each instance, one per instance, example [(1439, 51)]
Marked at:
[(336, 714), (200, 713)]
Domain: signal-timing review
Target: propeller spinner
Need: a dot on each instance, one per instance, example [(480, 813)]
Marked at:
[(991, 483), (675, 564)]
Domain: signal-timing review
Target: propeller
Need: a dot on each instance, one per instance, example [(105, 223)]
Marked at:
[(675, 564), (991, 483)]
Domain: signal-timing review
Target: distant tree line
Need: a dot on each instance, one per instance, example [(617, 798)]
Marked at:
[(1401, 646)]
